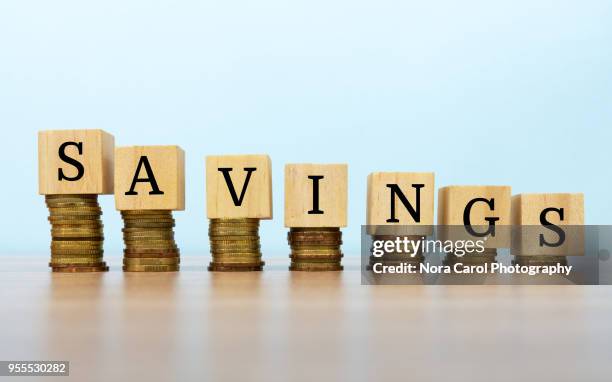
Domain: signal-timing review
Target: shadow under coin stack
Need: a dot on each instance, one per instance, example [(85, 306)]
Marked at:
[(397, 258), (77, 237), (315, 249), (149, 241), (234, 245), (472, 259)]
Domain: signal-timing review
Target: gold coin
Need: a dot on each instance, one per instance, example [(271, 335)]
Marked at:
[(74, 219), (91, 261), (315, 267), (231, 239), (151, 261), (150, 225), (169, 236), (74, 210), (80, 268), (234, 220), (148, 221), (145, 212), (147, 230), (76, 244), (78, 255), (72, 235), (83, 252), (151, 268), (150, 243), (236, 260)]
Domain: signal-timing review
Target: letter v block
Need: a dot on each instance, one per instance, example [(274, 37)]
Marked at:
[(75, 162), (150, 178), (239, 186), (316, 195), (400, 203)]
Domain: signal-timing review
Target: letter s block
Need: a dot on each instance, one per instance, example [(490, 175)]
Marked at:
[(388, 214), (316, 195), (150, 178), (531, 212), (239, 186), (75, 162)]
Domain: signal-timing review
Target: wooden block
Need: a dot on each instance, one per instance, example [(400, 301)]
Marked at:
[(316, 195), (386, 209), (531, 211), (75, 162), (482, 206), (150, 178), (239, 186)]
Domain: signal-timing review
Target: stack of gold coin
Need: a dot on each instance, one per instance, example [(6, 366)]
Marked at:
[(234, 245), (77, 237), (540, 260), (149, 241), (315, 249), (410, 254), (474, 258)]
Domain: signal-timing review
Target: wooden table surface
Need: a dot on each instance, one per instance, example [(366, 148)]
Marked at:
[(282, 326)]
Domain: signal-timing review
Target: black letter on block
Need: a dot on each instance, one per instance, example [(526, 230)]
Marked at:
[(466, 217), (228, 179), (315, 195), (552, 227), (144, 161), (415, 213), (72, 161)]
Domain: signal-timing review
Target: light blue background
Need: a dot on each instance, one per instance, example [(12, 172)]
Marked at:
[(480, 92)]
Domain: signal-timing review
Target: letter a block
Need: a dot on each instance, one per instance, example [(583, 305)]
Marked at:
[(239, 186), (316, 195), (533, 214), (400, 203), (75, 162), (481, 206), (150, 178)]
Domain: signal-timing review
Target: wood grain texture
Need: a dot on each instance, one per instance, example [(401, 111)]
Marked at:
[(291, 326), (379, 202), (333, 195), (97, 159), (167, 164), (257, 201)]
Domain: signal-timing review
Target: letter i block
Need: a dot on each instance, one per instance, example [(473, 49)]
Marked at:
[(75, 162), (150, 178), (548, 224), (316, 195), (400, 203), (239, 186), (475, 213)]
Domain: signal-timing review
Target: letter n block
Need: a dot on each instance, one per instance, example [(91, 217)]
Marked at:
[(482, 206), (400, 203), (150, 178), (75, 162), (533, 215), (316, 195), (239, 186)]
